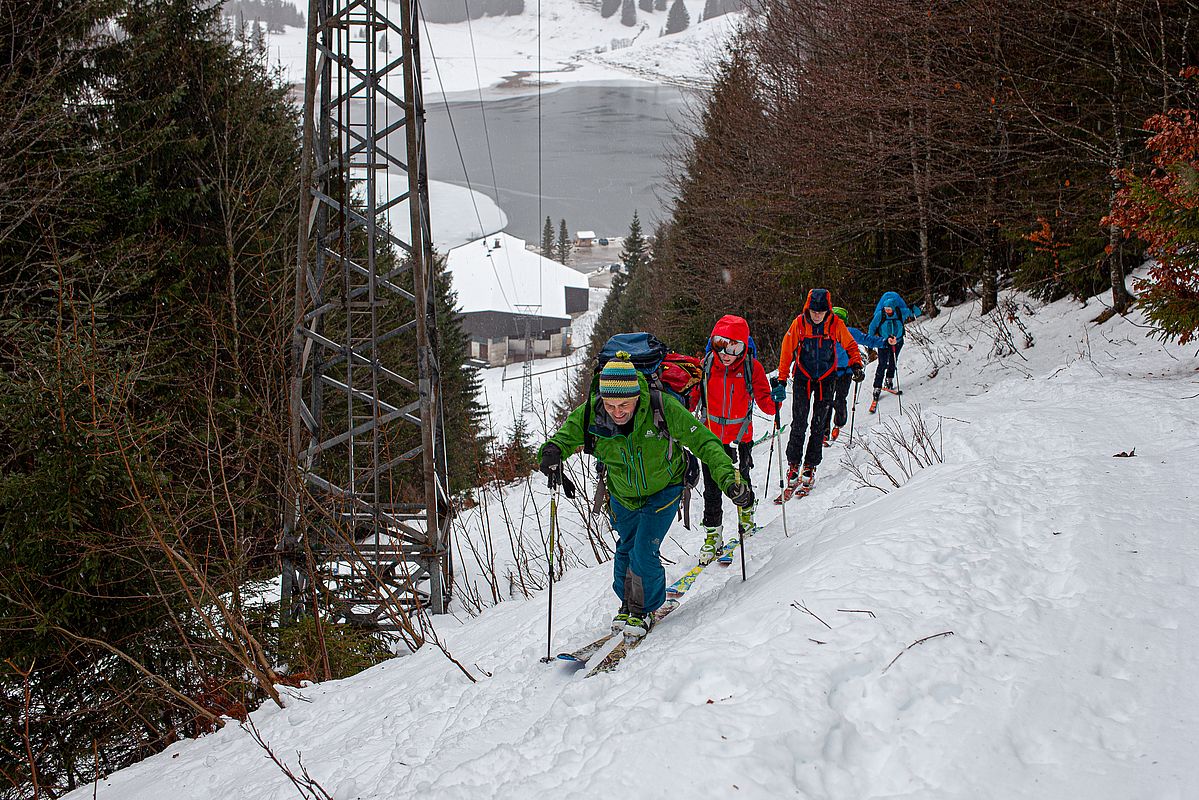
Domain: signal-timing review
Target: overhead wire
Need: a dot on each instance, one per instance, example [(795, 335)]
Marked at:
[(462, 160), (495, 185)]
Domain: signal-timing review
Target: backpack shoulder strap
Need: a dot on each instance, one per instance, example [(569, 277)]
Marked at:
[(703, 385), (658, 414), (588, 436)]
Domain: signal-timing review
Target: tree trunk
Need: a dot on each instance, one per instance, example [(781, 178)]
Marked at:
[(1121, 299)]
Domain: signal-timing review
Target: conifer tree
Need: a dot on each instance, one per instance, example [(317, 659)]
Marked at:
[(564, 245), (659, 5), (635, 251), (646, 5), (628, 13), (609, 7), (678, 19), (547, 239)]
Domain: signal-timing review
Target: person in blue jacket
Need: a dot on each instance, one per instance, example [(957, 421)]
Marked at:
[(889, 316), (844, 374)]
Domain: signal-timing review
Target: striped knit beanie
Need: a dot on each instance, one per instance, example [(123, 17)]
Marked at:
[(618, 378)]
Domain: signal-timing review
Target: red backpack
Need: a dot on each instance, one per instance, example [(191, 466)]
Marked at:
[(683, 375)]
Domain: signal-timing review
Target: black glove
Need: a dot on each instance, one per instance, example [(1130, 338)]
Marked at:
[(742, 495), (551, 468), (778, 390), (551, 464), (859, 374)]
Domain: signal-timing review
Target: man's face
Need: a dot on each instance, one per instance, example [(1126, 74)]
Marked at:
[(620, 409), (817, 316), (888, 310)]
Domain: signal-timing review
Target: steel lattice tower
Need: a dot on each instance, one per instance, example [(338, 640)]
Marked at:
[(366, 535)]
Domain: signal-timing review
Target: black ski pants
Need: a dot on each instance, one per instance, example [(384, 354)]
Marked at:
[(840, 401), (742, 453), (887, 356), (807, 395)]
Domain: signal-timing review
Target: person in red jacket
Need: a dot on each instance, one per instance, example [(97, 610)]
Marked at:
[(733, 380), (811, 345)]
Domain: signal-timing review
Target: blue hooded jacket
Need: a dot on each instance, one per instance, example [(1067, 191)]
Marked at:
[(883, 325), (864, 339)]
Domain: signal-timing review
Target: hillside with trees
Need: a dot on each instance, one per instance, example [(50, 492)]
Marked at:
[(944, 150), (148, 219)]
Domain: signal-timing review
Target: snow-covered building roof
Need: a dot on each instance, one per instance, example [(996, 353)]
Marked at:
[(585, 235), (509, 278)]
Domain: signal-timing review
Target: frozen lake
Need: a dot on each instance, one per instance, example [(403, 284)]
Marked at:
[(603, 154)]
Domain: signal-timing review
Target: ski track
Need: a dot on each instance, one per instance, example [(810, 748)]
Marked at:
[(1068, 579)]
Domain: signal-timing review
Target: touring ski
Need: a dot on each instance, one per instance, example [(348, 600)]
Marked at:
[(629, 641), (587, 651), (677, 589)]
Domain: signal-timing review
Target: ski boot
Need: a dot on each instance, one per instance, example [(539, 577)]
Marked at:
[(621, 619), (806, 479), (874, 401), (745, 522), (638, 626), (836, 433), (792, 484), (828, 442), (713, 544)]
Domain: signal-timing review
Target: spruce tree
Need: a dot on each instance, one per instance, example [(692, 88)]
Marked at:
[(628, 13), (712, 9), (646, 5), (659, 5), (547, 239), (564, 245), (150, 368), (678, 19), (609, 7), (635, 250)]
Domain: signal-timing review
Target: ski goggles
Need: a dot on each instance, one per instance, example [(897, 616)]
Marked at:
[(730, 347)]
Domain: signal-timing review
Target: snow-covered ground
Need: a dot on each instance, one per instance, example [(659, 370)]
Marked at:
[(1068, 578), (575, 45)]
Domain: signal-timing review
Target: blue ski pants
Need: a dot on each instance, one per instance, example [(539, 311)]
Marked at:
[(638, 577)]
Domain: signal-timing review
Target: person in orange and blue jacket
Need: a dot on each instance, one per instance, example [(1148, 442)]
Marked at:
[(733, 381), (811, 346)]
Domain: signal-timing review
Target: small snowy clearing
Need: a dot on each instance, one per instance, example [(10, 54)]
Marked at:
[(1013, 621)]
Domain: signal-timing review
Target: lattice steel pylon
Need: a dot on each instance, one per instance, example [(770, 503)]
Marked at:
[(366, 531), (526, 383)]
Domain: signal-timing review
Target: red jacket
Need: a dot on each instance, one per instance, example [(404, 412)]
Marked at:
[(726, 397)]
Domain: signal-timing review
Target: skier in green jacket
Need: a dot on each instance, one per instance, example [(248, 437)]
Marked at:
[(645, 467)]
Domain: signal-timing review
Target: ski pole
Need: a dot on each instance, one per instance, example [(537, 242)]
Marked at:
[(895, 366), (854, 413), (549, 633), (781, 484), (770, 457), (740, 526)]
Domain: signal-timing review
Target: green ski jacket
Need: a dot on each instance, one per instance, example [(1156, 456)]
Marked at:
[(637, 464)]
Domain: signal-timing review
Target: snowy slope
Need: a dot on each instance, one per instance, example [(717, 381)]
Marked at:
[(1069, 580), (575, 45)]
